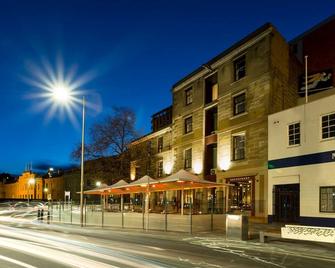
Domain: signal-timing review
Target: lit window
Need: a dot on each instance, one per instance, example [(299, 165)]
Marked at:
[(239, 104), (188, 158), (211, 88), (239, 68), (239, 147), (327, 199), (188, 125), (160, 144), (188, 96), (160, 169), (294, 134), (328, 126)]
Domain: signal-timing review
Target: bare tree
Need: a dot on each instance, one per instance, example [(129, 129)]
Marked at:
[(111, 137), (114, 134)]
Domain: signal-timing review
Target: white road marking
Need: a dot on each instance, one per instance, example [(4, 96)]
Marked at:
[(20, 263)]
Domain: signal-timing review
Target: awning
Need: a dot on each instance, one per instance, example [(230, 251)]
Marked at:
[(182, 180), (106, 189)]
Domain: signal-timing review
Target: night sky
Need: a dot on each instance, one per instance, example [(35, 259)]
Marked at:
[(134, 50)]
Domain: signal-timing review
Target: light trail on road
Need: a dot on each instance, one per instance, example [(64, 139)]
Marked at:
[(26, 242), (66, 251)]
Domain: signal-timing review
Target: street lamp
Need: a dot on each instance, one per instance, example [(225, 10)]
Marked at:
[(63, 94), (98, 184), (31, 181)]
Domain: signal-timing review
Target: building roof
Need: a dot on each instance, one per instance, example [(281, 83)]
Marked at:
[(225, 52)]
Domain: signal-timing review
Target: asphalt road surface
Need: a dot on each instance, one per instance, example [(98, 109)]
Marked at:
[(32, 244)]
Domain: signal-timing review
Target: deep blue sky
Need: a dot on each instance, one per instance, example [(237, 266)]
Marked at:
[(138, 50)]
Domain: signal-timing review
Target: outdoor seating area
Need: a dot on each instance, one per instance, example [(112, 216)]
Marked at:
[(189, 201)]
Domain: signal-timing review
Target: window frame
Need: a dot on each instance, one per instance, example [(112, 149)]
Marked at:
[(294, 134), (186, 129), (320, 199), (329, 126), (209, 80), (235, 135), (160, 168), (186, 160), (236, 71), (234, 104), (160, 144), (188, 96)]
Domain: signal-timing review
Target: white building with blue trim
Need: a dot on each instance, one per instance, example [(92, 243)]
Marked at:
[(301, 174)]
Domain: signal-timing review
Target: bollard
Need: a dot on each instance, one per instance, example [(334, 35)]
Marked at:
[(42, 214), (48, 217), (143, 208), (85, 211), (59, 210), (38, 214), (191, 210), (165, 209), (102, 212), (212, 212), (71, 211)]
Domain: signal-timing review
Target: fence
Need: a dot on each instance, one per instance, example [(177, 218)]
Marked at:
[(165, 217)]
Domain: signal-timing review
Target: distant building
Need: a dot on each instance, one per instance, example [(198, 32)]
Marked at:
[(301, 186), (30, 186)]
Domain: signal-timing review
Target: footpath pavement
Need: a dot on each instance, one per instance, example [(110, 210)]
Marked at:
[(308, 249)]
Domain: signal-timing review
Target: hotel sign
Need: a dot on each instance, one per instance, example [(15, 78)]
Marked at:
[(316, 82)]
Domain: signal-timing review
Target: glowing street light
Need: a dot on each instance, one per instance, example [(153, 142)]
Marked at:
[(98, 184), (63, 94)]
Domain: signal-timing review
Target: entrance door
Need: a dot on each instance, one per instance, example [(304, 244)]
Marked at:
[(287, 203)]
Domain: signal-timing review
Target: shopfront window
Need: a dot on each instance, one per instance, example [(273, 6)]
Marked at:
[(241, 195)]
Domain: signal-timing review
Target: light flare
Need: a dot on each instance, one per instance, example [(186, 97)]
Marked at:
[(58, 91)]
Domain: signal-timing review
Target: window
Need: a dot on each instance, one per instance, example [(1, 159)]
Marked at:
[(294, 134), (188, 96), (160, 168), (149, 147), (211, 88), (188, 125), (239, 147), (328, 126), (239, 68), (211, 118), (327, 199), (188, 158), (160, 144), (239, 104)]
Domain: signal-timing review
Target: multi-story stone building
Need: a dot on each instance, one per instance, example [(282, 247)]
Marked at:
[(30, 186), (219, 116)]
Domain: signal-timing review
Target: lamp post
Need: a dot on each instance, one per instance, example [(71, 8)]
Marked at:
[(82, 165), (63, 94)]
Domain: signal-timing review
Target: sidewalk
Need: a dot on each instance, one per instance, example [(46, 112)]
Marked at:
[(273, 247)]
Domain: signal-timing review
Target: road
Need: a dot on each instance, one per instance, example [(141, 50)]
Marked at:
[(39, 245)]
